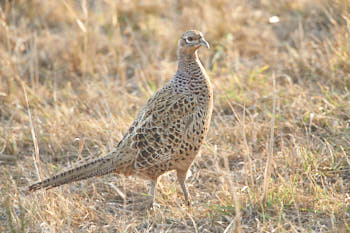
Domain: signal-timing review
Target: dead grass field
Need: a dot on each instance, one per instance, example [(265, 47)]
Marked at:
[(73, 75)]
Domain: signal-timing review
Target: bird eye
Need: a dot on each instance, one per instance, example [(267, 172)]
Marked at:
[(189, 40)]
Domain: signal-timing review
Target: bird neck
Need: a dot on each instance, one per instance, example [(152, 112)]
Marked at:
[(188, 63), (192, 77)]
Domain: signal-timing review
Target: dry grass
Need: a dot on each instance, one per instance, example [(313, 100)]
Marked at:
[(86, 68)]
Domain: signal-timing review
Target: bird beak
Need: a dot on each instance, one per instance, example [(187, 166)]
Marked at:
[(204, 43)]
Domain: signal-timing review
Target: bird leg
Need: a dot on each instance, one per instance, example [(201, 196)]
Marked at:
[(181, 176), (152, 192)]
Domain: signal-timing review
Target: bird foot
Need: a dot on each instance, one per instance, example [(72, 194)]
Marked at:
[(188, 204), (153, 205)]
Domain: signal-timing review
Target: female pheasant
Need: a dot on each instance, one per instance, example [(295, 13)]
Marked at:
[(167, 133)]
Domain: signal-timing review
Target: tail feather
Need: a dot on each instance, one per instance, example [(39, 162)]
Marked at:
[(97, 167)]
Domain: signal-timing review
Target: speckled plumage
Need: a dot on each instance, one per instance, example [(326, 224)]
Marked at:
[(167, 133)]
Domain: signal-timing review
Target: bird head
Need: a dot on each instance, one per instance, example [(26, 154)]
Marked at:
[(190, 41)]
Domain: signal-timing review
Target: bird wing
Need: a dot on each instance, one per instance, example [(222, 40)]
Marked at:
[(160, 126)]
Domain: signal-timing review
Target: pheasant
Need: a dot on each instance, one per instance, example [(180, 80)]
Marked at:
[(167, 133)]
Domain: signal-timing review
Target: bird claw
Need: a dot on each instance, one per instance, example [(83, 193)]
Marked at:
[(188, 204), (153, 205)]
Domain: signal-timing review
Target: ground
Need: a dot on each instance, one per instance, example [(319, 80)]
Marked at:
[(74, 74)]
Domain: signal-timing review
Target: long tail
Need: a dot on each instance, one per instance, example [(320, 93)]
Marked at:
[(97, 167)]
